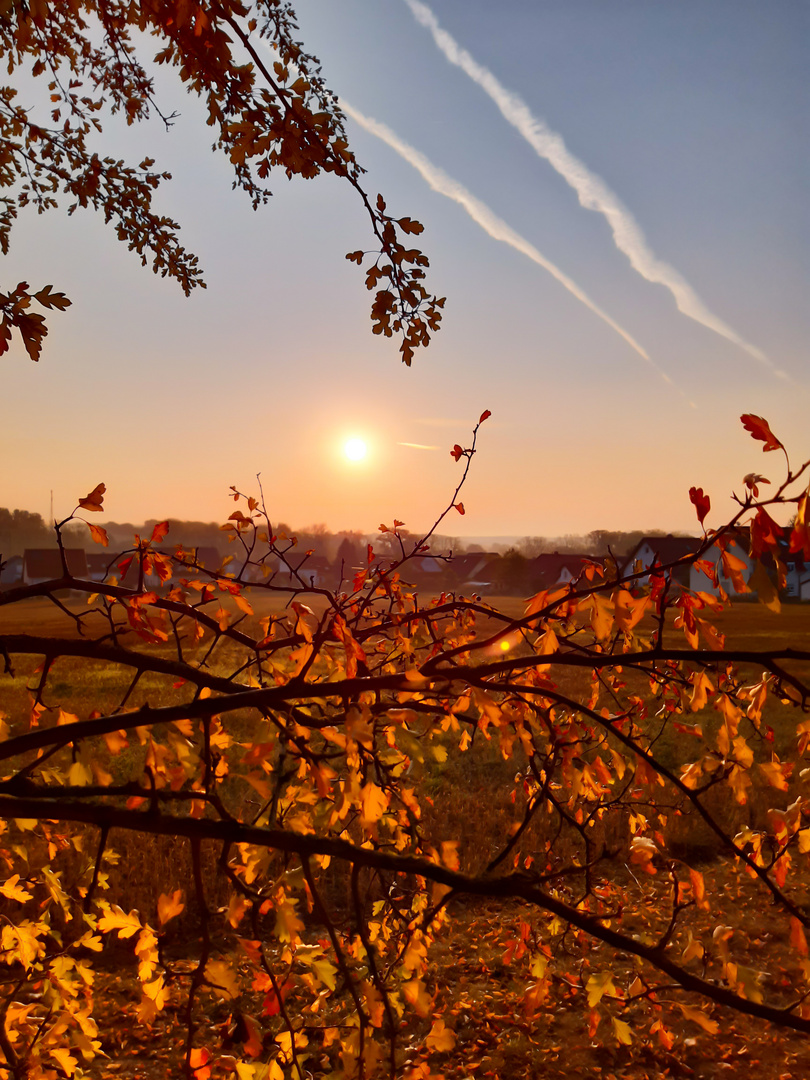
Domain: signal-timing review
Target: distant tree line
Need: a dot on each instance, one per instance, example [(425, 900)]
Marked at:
[(21, 530)]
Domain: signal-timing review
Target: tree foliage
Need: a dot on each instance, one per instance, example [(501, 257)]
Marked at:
[(315, 748), (265, 99)]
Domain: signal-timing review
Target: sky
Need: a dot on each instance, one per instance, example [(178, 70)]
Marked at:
[(614, 198)]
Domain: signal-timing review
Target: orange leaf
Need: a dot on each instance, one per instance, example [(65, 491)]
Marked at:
[(159, 531), (99, 535), (765, 534), (761, 431), (198, 1061), (94, 499), (169, 905), (456, 452), (460, 508)]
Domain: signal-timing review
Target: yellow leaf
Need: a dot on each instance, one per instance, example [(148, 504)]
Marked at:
[(66, 1061), (221, 976), (116, 919), (621, 1030), (13, 891), (373, 803), (441, 1038), (417, 996), (373, 1002), (597, 986), (169, 906), (699, 1018)]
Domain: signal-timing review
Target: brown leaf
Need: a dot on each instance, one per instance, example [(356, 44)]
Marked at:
[(94, 499)]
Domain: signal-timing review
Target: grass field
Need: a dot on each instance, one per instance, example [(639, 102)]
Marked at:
[(470, 977)]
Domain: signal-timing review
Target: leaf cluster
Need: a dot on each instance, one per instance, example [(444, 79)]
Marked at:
[(265, 99)]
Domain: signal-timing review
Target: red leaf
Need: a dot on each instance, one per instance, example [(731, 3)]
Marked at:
[(761, 431), (94, 499), (159, 531), (701, 502), (460, 508), (456, 452), (765, 534), (485, 415)]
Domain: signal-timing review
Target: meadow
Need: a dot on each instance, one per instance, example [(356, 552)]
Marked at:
[(474, 978)]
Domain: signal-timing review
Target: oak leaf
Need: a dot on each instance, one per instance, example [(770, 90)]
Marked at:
[(759, 429)]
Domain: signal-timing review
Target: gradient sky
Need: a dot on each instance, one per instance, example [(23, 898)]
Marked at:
[(691, 117)]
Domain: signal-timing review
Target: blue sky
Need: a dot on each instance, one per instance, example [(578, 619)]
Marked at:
[(694, 116)]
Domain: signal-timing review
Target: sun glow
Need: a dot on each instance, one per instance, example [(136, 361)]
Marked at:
[(355, 449)]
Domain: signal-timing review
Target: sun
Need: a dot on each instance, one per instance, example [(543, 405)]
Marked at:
[(355, 449)]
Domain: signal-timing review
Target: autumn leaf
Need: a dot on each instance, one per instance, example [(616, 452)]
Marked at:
[(460, 508), (765, 534), (98, 534), (597, 986), (373, 804), (417, 996), (198, 1059), (701, 502), (159, 532), (621, 1029), (457, 452), (94, 499), (485, 415), (440, 1037), (697, 1016), (115, 919), (760, 431), (11, 889), (222, 978), (169, 905)]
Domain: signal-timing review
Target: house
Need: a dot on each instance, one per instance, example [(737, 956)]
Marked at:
[(551, 568), (663, 551), (797, 578), (11, 572), (698, 575), (45, 564), (475, 571)]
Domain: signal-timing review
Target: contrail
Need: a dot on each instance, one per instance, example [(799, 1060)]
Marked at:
[(489, 221), (418, 446), (591, 190)]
